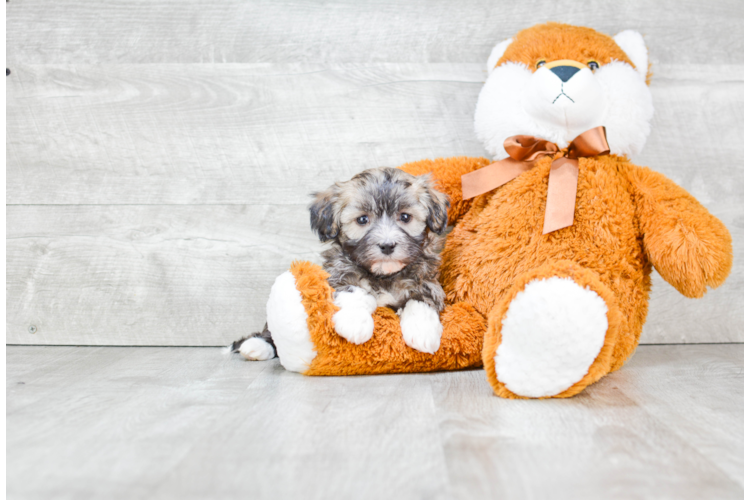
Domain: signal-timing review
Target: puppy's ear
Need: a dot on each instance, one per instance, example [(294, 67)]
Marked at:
[(436, 204), (323, 217)]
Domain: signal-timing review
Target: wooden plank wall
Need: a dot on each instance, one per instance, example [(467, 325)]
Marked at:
[(159, 153)]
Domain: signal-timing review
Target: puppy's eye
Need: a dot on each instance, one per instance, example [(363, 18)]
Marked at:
[(405, 218), (362, 220), (540, 63), (593, 65)]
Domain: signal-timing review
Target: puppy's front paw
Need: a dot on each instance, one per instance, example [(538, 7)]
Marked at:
[(354, 319), (355, 325), (420, 326)]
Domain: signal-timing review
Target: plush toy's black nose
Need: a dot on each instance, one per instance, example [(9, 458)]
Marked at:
[(564, 73), (387, 248)]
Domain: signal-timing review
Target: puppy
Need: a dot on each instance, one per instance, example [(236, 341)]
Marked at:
[(386, 231)]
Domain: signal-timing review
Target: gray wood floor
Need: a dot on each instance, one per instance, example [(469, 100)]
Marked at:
[(160, 154), (146, 422)]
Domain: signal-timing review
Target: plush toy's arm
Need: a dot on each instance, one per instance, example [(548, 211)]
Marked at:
[(447, 172), (687, 245)]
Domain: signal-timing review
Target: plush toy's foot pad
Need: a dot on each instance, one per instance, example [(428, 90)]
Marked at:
[(552, 333), (287, 322)]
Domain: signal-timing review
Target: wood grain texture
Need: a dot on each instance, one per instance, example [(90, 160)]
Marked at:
[(196, 423), (652, 430), (182, 134), (417, 31), (147, 275), (746, 259), (747, 422), (159, 154), (128, 134), (201, 274)]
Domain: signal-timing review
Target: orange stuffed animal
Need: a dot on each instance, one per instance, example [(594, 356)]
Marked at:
[(546, 310)]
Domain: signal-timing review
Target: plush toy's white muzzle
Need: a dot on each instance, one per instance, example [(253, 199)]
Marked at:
[(565, 95)]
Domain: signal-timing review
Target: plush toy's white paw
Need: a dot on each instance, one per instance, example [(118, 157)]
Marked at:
[(354, 321), (256, 349), (552, 332), (421, 327), (287, 322)]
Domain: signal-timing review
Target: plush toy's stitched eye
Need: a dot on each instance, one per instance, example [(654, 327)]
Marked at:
[(541, 63), (405, 218), (362, 220), (593, 65)]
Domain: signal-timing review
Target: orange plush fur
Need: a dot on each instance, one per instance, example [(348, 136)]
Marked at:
[(627, 219), (460, 347), (554, 41)]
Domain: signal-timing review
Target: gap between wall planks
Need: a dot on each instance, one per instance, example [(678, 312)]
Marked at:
[(155, 202), (200, 275)]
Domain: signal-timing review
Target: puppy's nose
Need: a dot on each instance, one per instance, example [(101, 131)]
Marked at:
[(387, 248)]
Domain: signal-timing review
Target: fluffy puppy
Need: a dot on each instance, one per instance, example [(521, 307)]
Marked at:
[(386, 231)]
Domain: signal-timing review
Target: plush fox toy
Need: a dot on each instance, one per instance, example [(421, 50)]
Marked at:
[(547, 268)]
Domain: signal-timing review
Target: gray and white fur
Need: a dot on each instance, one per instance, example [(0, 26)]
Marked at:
[(386, 231)]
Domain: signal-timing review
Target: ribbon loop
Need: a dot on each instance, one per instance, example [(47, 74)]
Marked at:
[(524, 151), (593, 142), (528, 147)]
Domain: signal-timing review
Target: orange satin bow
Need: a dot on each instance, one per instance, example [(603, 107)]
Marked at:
[(524, 151)]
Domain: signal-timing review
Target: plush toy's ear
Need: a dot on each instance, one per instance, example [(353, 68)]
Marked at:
[(497, 53), (632, 43)]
